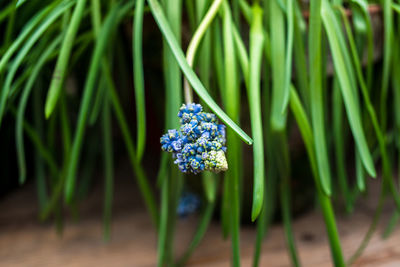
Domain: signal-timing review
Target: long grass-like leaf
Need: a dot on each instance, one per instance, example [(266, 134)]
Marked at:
[(97, 102), (143, 184), (300, 63), (339, 141), (277, 23), (348, 92), (387, 54), (40, 172), (290, 17), (316, 92), (218, 56), (267, 213), (163, 224), (231, 102), (190, 75), (387, 172), (63, 58), (30, 25), (242, 56), (40, 147), (232, 106), (256, 48), (25, 50), (396, 7), (195, 42), (325, 202), (220, 77), (139, 79), (360, 176), (173, 99), (283, 165), (209, 179), (108, 168), (109, 25), (107, 132), (363, 6), (22, 105)]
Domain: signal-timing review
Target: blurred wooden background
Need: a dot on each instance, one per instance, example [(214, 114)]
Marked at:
[(26, 242)]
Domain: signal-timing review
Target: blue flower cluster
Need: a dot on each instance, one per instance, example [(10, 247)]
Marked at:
[(199, 144)]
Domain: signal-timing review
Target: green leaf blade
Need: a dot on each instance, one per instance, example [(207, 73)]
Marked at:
[(190, 75), (63, 59), (256, 49)]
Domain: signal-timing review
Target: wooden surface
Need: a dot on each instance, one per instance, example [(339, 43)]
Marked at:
[(26, 242)]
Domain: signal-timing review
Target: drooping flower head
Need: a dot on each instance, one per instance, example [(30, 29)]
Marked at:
[(199, 143)]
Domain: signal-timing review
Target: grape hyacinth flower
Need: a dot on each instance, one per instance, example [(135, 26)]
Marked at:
[(199, 144)]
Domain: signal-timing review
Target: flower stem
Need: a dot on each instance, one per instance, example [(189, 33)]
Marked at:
[(195, 42)]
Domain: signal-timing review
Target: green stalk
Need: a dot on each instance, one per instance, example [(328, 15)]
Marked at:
[(396, 103), (6, 11), (387, 54), (231, 102), (173, 95), (209, 179), (289, 52), (191, 14), (63, 58), (108, 168), (339, 136), (324, 200), (242, 56), (10, 24), (163, 223), (96, 23), (363, 7), (360, 175), (284, 173), (347, 85), (256, 48), (195, 42), (109, 25), (22, 106), (39, 146), (218, 57), (65, 126), (387, 170), (220, 71), (300, 63), (139, 79), (40, 172), (24, 51), (267, 211), (143, 184), (97, 103), (278, 118), (190, 75), (396, 7), (29, 26), (107, 132), (225, 209), (316, 92)]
